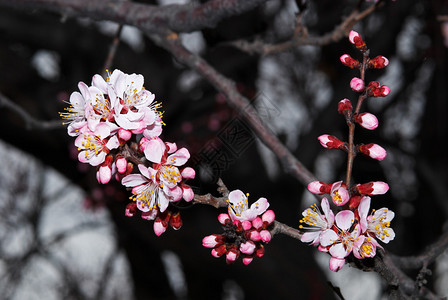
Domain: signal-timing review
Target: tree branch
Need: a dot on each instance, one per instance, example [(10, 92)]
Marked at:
[(149, 18)]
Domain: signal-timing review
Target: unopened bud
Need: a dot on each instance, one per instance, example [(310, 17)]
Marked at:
[(330, 142), (378, 62), (367, 120), (357, 84), (373, 150), (344, 106), (349, 61), (319, 187), (373, 188), (355, 38)]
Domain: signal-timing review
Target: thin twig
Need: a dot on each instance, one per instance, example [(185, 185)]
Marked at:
[(112, 50), (29, 121)]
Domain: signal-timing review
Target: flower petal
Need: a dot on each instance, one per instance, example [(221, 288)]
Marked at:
[(344, 219)]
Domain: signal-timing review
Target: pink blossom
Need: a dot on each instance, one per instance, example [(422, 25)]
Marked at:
[(345, 106), (121, 164), (378, 62), (265, 236), (223, 218), (373, 188), (212, 241), (336, 264), (339, 193), (247, 260), (268, 216), (247, 247), (159, 227), (340, 242), (365, 246), (231, 256), (330, 142), (357, 84), (238, 207), (319, 187), (378, 224), (76, 112), (367, 120), (146, 190), (374, 151), (94, 146), (104, 174), (318, 222)]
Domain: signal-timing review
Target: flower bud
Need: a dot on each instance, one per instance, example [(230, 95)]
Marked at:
[(357, 84), (367, 120), (247, 247), (336, 264), (223, 218), (212, 241), (219, 251), (188, 173), (104, 174), (268, 216), (131, 209), (330, 142), (247, 260), (232, 255), (159, 227), (355, 38), (176, 221), (187, 193), (254, 235), (260, 251), (354, 202), (246, 225), (373, 150), (121, 164), (265, 236), (124, 134), (319, 187), (378, 62), (345, 106), (257, 223), (349, 61), (339, 193), (373, 188)]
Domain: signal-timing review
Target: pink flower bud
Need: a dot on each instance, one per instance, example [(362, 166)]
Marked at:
[(265, 236), (355, 39), (344, 106), (121, 164), (336, 264), (104, 174), (330, 142), (319, 187), (339, 193), (187, 193), (159, 227), (223, 218), (349, 61), (247, 247), (254, 235), (367, 120), (219, 251), (231, 256), (378, 62), (212, 241), (385, 90), (268, 216), (124, 134), (260, 251), (246, 225), (188, 173), (257, 223), (373, 188), (357, 84), (247, 260), (131, 209), (373, 150)]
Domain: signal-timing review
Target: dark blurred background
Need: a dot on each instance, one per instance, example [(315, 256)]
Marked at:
[(44, 55)]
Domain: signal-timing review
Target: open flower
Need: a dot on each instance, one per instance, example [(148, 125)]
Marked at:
[(239, 209), (76, 112), (94, 146), (147, 192), (318, 222), (339, 193), (340, 242), (376, 224)]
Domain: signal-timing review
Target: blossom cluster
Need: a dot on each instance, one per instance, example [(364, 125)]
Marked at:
[(352, 230), (117, 124), (246, 230)]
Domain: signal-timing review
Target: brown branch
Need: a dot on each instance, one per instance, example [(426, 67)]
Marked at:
[(260, 47), (171, 42), (112, 50), (29, 121), (150, 18)]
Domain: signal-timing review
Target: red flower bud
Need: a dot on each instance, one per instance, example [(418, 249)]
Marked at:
[(378, 62), (349, 61), (344, 106)]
